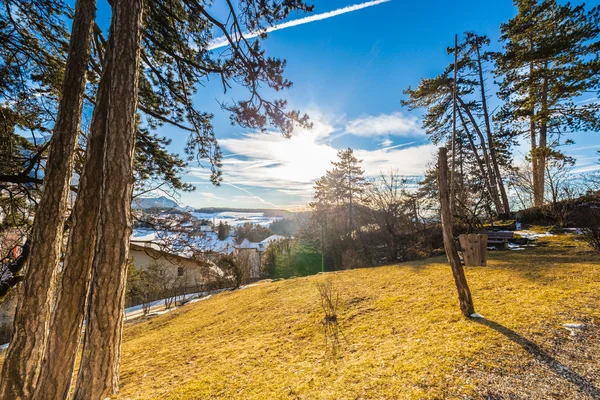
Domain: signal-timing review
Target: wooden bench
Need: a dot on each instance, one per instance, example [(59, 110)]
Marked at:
[(502, 238)]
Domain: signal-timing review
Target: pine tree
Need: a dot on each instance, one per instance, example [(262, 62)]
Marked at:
[(223, 231), (349, 182), (549, 60), (321, 207), (19, 371), (476, 145), (98, 375), (337, 194), (176, 61), (474, 44)]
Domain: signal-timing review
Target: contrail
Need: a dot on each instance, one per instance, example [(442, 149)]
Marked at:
[(222, 41), (249, 193)]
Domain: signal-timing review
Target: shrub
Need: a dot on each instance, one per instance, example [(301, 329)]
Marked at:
[(235, 269), (329, 304), (588, 221)]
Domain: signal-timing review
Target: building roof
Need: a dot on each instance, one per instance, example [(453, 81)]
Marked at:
[(260, 246), (183, 244)]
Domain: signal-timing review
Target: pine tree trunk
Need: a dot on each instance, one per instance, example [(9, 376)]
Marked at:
[(490, 171), (464, 293), (21, 366), (99, 372), (538, 200), (534, 176), (490, 138), (540, 168), (476, 153), (66, 323), (542, 150)]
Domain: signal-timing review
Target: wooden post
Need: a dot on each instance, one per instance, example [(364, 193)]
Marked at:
[(464, 294), (474, 249)]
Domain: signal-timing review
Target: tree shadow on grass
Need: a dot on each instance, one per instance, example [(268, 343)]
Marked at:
[(541, 355)]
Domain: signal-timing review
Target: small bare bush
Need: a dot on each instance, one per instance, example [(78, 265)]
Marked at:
[(329, 304)]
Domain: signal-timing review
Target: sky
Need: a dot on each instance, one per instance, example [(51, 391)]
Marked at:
[(350, 61)]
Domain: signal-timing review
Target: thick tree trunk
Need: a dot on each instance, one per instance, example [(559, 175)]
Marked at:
[(464, 294), (99, 372), (539, 169), (538, 200), (541, 155), (349, 202), (490, 138), (534, 176), (21, 366), (66, 323), (541, 165)]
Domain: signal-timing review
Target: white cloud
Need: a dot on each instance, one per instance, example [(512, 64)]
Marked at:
[(592, 146), (396, 124), (222, 41), (291, 166), (593, 100), (411, 161), (586, 169), (386, 142)]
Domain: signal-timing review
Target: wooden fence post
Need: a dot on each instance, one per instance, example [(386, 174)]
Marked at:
[(464, 294)]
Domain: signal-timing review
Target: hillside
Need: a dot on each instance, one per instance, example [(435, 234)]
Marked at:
[(404, 335), (161, 202)]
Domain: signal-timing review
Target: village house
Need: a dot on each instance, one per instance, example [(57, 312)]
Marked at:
[(194, 274), (252, 253), (200, 227)]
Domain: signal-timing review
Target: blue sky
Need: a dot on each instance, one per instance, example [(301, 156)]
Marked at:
[(349, 72)]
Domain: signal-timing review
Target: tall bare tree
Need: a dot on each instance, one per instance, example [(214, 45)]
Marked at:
[(389, 201)]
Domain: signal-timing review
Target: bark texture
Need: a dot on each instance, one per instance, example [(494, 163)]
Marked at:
[(473, 147), (67, 320), (464, 293), (490, 171), (21, 366), (540, 156), (99, 372), (537, 180), (490, 137)]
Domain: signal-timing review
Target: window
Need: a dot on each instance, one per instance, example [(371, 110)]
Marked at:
[(180, 271)]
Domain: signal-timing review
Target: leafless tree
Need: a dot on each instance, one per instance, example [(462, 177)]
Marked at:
[(235, 269), (330, 300)]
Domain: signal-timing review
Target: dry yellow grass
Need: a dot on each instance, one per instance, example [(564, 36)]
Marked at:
[(404, 334)]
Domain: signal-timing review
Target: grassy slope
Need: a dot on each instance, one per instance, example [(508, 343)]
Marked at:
[(405, 337)]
